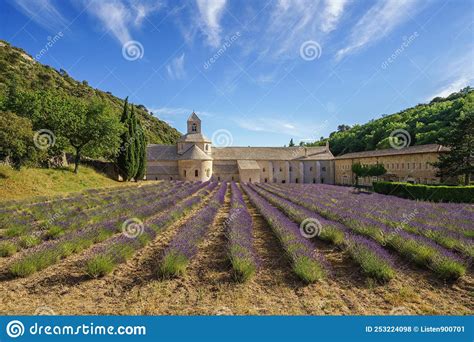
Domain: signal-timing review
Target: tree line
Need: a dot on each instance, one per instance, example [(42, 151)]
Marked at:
[(37, 127)]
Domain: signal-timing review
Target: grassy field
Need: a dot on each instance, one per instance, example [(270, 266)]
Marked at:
[(30, 182)]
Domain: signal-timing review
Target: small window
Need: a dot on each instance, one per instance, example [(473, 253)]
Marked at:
[(311, 168), (322, 180), (296, 180), (208, 172), (323, 169), (314, 180), (171, 178), (408, 165), (206, 147), (265, 180), (273, 169), (194, 127), (232, 177), (283, 181), (263, 170), (184, 173), (196, 173), (219, 178), (280, 169), (156, 178), (291, 169), (250, 180)]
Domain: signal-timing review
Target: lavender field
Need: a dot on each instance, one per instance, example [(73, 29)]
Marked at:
[(218, 248)]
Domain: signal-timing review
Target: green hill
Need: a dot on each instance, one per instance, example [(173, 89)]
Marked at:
[(21, 70), (426, 124)]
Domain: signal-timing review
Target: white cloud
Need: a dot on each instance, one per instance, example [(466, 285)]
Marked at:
[(293, 22), (120, 16), (332, 13), (177, 111), (210, 15), (457, 75), (176, 68), (282, 126), (42, 12), (380, 20)]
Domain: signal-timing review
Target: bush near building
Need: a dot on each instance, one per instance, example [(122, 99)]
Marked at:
[(433, 193)]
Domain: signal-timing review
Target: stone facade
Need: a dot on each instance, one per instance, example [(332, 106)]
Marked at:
[(194, 159), (410, 164)]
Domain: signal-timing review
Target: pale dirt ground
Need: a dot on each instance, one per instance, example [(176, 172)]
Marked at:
[(209, 289)]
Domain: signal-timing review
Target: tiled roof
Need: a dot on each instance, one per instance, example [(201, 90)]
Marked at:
[(429, 148), (248, 165), (161, 152), (194, 137), (195, 153), (194, 117), (271, 153)]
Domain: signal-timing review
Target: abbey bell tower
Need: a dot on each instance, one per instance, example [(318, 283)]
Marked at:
[(194, 124)]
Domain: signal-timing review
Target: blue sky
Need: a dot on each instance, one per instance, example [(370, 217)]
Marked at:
[(265, 71)]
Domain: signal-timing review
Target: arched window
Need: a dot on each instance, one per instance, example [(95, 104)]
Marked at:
[(193, 127), (184, 173), (196, 173), (208, 172)]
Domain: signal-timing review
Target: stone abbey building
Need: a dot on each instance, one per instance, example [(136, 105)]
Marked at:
[(195, 159)]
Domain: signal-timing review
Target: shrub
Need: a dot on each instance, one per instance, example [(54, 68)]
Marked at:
[(7, 249), (99, 266), (435, 193), (28, 241)]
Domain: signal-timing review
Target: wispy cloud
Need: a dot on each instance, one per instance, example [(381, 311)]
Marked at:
[(210, 15), (176, 68), (177, 111), (332, 13), (298, 129), (379, 21), (292, 22), (42, 12), (119, 17), (457, 75)]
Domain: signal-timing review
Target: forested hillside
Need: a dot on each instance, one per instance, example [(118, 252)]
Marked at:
[(426, 124), (19, 71)]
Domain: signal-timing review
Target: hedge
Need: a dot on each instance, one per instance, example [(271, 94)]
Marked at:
[(434, 193)]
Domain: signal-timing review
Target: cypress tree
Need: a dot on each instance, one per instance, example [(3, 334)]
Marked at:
[(133, 146), (142, 152), (123, 159)]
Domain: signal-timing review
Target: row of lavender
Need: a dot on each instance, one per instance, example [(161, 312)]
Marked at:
[(50, 252), (105, 258), (184, 245), (449, 224), (371, 257), (412, 247), (32, 234), (307, 264), (239, 231)]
